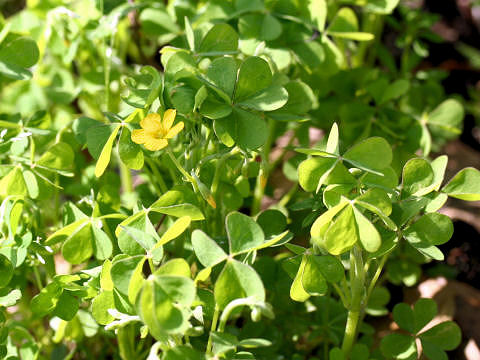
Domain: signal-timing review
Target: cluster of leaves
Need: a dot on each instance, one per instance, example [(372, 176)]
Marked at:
[(108, 240)]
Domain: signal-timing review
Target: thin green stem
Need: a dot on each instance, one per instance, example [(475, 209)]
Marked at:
[(216, 315), (180, 167), (375, 277), (32, 150), (157, 177), (38, 279), (288, 196), (357, 283), (264, 169), (350, 331), (126, 178), (232, 305), (341, 295)]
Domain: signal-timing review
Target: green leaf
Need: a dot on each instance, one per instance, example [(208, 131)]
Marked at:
[(6, 271), (332, 141), (300, 99), (46, 300), (65, 232), (399, 346), (157, 21), (362, 154), (272, 98), (433, 352), (367, 233), (136, 234), (182, 352), (345, 20), (175, 230), (447, 118), (465, 185), (102, 245), (336, 354), (222, 72), (66, 307), (78, 246), (417, 177), (313, 281), (32, 184), (254, 343), (297, 292), (378, 202), (237, 280), (58, 156), (100, 306), (382, 6), (162, 304), (189, 34), (208, 252), (13, 71), (11, 298), (13, 183), (248, 130), (404, 317), (258, 26), (318, 13), (395, 90), (254, 75), (430, 229), (223, 343), (424, 311), (377, 302), (244, 234), (330, 267), (342, 234), (179, 201), (321, 224), (130, 153), (122, 271), (104, 157), (446, 335), (221, 38), (178, 267), (80, 128), (272, 222), (106, 282), (314, 172), (9, 57), (357, 36)]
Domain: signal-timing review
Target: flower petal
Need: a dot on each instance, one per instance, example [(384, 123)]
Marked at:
[(153, 144), (152, 123), (139, 136), (174, 130), (168, 119)]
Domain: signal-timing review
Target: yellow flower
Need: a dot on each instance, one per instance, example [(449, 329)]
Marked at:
[(155, 132)]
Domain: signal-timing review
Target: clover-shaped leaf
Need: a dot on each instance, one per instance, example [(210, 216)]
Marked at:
[(465, 185), (16, 57), (430, 230), (327, 166), (435, 340), (244, 235), (208, 252), (179, 201), (241, 93), (164, 303), (342, 226), (237, 280)]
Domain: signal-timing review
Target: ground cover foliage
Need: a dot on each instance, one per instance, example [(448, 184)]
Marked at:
[(136, 147)]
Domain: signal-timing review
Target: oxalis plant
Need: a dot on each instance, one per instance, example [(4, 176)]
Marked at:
[(140, 140)]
